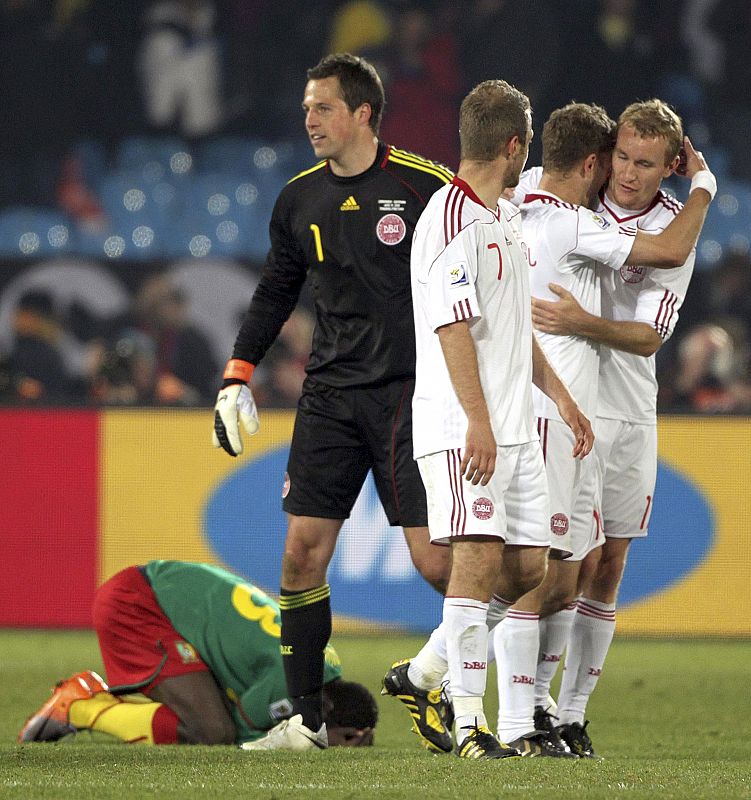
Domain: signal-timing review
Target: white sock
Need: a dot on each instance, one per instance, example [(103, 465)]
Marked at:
[(554, 633), (517, 643), (467, 649), (589, 641), (497, 610), (428, 668)]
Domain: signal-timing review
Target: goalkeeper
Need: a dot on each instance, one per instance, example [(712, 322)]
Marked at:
[(192, 656)]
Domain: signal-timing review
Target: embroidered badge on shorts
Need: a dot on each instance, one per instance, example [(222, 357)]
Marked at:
[(483, 508), (559, 524)]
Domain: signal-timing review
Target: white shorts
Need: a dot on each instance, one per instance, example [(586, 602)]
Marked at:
[(572, 485), (627, 459), (513, 505)]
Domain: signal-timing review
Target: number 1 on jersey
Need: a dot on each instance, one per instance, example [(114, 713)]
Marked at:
[(317, 239)]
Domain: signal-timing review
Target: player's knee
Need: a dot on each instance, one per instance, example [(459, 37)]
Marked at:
[(609, 572), (300, 563), (530, 576), (558, 599), (435, 569)]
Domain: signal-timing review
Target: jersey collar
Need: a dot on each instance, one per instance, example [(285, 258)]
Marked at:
[(621, 215)]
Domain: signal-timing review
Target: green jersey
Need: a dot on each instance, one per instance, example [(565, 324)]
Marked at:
[(235, 628)]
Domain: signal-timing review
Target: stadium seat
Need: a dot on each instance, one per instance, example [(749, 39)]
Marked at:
[(156, 158), (30, 231)]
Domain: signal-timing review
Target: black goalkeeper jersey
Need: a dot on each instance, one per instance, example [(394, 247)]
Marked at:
[(353, 236)]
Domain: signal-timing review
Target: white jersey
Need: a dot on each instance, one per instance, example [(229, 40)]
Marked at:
[(564, 242), (628, 385), (467, 263)]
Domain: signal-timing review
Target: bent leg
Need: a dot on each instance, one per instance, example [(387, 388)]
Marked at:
[(432, 561), (200, 707)]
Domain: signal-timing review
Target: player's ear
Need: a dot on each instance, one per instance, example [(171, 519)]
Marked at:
[(589, 164), (364, 113), (671, 167)]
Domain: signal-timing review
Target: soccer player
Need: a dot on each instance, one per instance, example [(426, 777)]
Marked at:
[(565, 240), (639, 312), (348, 221), (191, 653), (474, 435)]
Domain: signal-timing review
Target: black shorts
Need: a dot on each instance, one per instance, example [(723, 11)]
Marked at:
[(339, 435)]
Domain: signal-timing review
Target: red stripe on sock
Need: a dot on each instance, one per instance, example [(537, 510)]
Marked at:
[(164, 726)]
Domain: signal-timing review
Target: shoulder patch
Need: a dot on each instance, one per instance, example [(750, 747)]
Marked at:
[(599, 220), (457, 274)]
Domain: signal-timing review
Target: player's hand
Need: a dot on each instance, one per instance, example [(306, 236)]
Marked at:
[(571, 414), (690, 160), (563, 317), (478, 459), (234, 403)]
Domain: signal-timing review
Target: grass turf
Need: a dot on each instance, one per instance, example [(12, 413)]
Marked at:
[(673, 720)]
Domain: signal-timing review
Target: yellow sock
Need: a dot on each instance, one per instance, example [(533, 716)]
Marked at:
[(129, 718)]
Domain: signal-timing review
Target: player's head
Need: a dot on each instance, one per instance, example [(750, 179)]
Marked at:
[(350, 712), (357, 82), (577, 140), (647, 148), (496, 120)]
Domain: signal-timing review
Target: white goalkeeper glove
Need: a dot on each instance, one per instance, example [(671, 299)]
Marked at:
[(234, 403)]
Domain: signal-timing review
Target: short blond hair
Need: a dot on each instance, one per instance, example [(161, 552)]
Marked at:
[(655, 119)]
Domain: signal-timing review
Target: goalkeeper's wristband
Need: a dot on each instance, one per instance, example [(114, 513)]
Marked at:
[(238, 371), (704, 179)]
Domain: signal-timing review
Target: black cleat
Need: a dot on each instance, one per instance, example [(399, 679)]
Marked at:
[(543, 720), (537, 744), (576, 737), (480, 743), (432, 714)]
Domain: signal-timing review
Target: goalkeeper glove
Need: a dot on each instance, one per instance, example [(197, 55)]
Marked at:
[(234, 403)]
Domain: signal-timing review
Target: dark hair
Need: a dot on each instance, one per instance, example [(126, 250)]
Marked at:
[(574, 132), (491, 114), (347, 704), (359, 82)]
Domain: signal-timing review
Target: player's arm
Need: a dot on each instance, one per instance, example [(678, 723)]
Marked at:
[(478, 459), (672, 247), (567, 318), (546, 379), (274, 299)]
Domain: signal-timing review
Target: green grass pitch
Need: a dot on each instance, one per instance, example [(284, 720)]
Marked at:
[(672, 718)]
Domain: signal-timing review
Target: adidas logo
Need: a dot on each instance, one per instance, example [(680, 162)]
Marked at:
[(350, 204)]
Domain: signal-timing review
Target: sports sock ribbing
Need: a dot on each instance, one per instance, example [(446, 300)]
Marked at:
[(554, 633), (132, 718), (588, 645), (466, 633), (306, 628), (517, 643)]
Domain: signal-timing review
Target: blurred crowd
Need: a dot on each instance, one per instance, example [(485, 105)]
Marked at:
[(78, 69)]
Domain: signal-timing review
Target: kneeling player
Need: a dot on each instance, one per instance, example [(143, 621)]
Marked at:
[(192, 656)]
